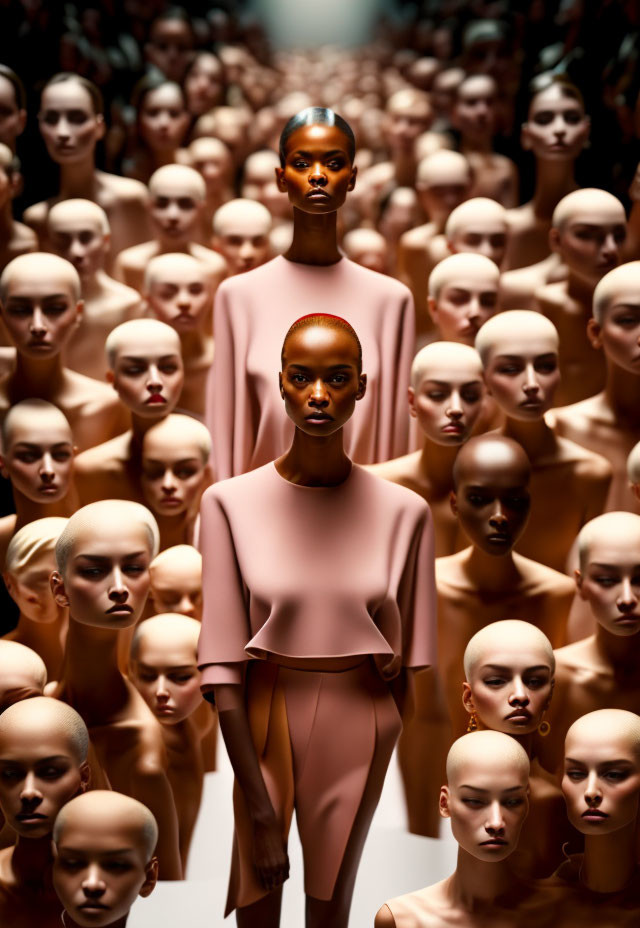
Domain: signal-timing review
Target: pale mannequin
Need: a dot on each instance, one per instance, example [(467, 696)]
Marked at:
[(588, 230), (179, 292), (41, 308), (609, 422), (408, 114), (78, 230), (474, 115), (212, 160), (176, 200), (519, 350), (258, 176), (518, 287), (37, 457), (23, 673), (478, 225), (443, 182), (487, 800), (71, 144), (241, 230), (175, 473), (176, 581), (633, 470), (368, 248), (600, 671), (103, 558), (43, 764), (556, 131), (145, 368), (443, 94), (104, 845), (15, 237), (42, 625), (463, 294), (164, 669)]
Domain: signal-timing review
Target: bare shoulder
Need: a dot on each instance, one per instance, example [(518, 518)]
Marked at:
[(417, 239), (581, 414), (398, 470), (137, 255), (544, 580), (215, 261), (573, 660), (24, 237), (125, 189), (115, 451), (588, 466), (437, 249), (551, 296), (520, 217), (449, 570), (384, 918), (36, 215)]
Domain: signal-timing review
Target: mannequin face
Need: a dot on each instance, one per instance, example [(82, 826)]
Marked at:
[(40, 312), (557, 127), (169, 47), (173, 473), (368, 250), (601, 782), (176, 585), (447, 401), (487, 802), (619, 334), (440, 198), (12, 119), (522, 375), (165, 671), (463, 305), (590, 241), (80, 241), (39, 458), (243, 238), (30, 590), (318, 171), (474, 111), (481, 238), (175, 209), (213, 162), (407, 117), (204, 84), (69, 126), (149, 376), (609, 581), (163, 118), (181, 296), (259, 174), (492, 500), (320, 382), (106, 579), (101, 867)]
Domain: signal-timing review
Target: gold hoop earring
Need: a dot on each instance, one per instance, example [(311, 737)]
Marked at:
[(544, 728), (473, 723)]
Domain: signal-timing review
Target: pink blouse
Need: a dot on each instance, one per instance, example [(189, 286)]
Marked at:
[(253, 311), (301, 575)]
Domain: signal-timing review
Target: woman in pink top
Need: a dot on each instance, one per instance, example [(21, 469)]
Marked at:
[(318, 583), (244, 411)]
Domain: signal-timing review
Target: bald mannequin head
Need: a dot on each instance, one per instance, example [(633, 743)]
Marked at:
[(38, 451), (510, 635), (408, 114), (29, 561), (596, 745), (443, 168), (241, 234), (618, 287), (633, 469), (177, 180), (259, 174), (22, 673), (104, 846), (176, 581), (463, 295), (78, 231), (478, 225), (56, 274), (446, 391), (174, 465), (474, 109), (367, 248), (486, 796), (212, 159), (491, 497), (165, 667), (176, 198), (146, 369), (37, 737), (179, 291), (10, 168), (104, 515), (444, 89), (589, 227)]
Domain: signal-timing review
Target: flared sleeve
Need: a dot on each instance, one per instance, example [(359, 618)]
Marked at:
[(417, 597)]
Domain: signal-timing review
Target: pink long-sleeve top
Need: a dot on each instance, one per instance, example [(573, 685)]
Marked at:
[(253, 311), (311, 576)]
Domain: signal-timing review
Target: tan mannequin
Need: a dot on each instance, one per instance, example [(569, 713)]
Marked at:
[(443, 94), (241, 231), (78, 230), (212, 160), (15, 237), (478, 225), (609, 423), (258, 176), (600, 671), (23, 673), (179, 292), (176, 581), (474, 115), (518, 287), (408, 113), (588, 230), (38, 460), (519, 350), (176, 200), (103, 558), (164, 669), (487, 800), (41, 308), (633, 470), (368, 248), (443, 182), (175, 473), (43, 764), (104, 858), (71, 144), (146, 371), (463, 294), (42, 625)]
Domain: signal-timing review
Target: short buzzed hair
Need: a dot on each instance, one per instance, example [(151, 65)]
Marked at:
[(58, 712), (100, 799), (327, 321)]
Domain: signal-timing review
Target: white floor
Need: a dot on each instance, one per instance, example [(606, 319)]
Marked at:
[(393, 862)]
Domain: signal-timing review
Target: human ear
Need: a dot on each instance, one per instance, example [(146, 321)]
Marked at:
[(433, 309), (362, 386), (56, 583), (444, 802), (525, 137), (548, 702), (594, 333), (554, 240), (579, 580), (280, 385), (453, 503), (85, 777), (411, 396), (110, 378), (79, 312), (150, 878), (280, 181), (10, 583), (3, 467), (100, 126), (352, 179), (467, 698)]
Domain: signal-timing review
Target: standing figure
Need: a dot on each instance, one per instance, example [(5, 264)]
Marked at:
[(241, 231), (162, 122), (289, 643), (15, 238), (478, 225)]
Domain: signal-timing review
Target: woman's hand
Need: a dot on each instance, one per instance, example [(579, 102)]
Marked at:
[(269, 853)]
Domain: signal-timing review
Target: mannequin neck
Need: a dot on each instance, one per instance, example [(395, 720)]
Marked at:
[(489, 572), (314, 461), (6, 222), (436, 464), (480, 146), (68, 922), (31, 863), (91, 674), (404, 168), (78, 179), (554, 180), (536, 437), (622, 393), (35, 377), (609, 861), (581, 291), (175, 530), (95, 286), (28, 510), (168, 245), (620, 652), (476, 884), (315, 239), (194, 343), (45, 638)]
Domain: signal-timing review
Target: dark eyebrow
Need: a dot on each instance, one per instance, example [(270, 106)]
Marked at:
[(447, 383), (308, 154), (101, 558), (145, 360), (40, 760), (81, 850), (518, 357), (33, 444), (170, 666), (175, 463), (610, 566)]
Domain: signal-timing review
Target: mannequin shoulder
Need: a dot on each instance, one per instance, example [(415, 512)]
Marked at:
[(588, 465), (36, 216), (543, 580), (417, 239), (125, 189), (551, 297)]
